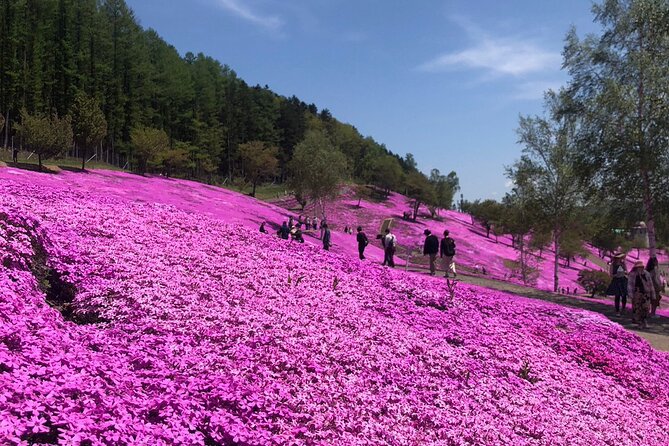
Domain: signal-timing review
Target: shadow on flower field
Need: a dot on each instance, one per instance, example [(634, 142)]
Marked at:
[(213, 333)]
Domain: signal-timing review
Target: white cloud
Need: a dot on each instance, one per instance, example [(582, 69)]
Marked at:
[(237, 7), (495, 55), (502, 57)]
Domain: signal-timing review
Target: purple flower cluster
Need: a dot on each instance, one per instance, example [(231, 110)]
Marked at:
[(194, 331)]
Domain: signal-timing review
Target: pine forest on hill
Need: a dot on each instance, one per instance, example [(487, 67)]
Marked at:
[(201, 118)]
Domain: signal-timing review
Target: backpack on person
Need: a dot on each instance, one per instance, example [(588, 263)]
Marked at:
[(390, 241), (449, 247)]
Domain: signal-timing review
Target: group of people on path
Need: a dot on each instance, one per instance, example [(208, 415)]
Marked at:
[(445, 249), (643, 283), (433, 247)]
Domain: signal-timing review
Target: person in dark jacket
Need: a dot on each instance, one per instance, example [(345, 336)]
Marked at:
[(262, 228), (362, 242), (640, 287), (447, 252), (326, 237), (431, 248), (618, 285), (284, 231)]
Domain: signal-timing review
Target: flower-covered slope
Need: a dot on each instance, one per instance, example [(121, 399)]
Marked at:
[(473, 247), (201, 332)]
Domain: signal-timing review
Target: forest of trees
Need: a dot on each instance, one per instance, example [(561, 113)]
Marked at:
[(190, 116)]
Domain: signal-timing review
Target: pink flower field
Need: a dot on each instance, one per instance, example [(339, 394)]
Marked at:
[(181, 324)]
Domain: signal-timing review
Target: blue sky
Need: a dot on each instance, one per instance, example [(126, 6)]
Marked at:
[(444, 80)]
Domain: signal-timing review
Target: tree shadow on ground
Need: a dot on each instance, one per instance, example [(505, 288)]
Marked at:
[(31, 167)]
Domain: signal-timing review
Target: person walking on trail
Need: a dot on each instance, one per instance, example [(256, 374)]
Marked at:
[(431, 248), (447, 252), (654, 270), (618, 285), (389, 242), (363, 241), (640, 286), (284, 231), (326, 237), (324, 224)]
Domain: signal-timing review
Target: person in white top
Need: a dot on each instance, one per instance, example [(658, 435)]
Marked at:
[(389, 246)]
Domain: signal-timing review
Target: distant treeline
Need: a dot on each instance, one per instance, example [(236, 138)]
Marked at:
[(52, 51)]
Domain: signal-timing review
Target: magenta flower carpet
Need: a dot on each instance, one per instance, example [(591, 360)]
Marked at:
[(173, 321)]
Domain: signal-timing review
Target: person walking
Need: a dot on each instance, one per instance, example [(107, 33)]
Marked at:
[(654, 270), (431, 249), (326, 237), (389, 244), (640, 286), (618, 285), (447, 252), (324, 224), (363, 241)]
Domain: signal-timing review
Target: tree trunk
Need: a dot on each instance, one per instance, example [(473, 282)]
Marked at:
[(556, 265), (253, 193), (650, 215), (83, 159), (39, 161), (416, 206), (7, 130)]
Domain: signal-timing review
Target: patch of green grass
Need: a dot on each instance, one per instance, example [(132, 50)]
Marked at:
[(26, 161)]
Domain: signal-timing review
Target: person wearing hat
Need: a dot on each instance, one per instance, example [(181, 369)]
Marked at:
[(618, 285), (653, 269), (431, 248), (640, 286)]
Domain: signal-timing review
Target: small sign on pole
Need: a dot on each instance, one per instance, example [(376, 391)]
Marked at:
[(386, 224)]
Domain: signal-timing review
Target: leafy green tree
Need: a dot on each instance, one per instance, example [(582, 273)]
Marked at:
[(594, 282), (547, 172), (572, 246), (317, 168), (47, 137), (259, 162), (514, 218), (174, 159), (445, 188), (487, 212), (147, 144), (386, 173), (618, 90), (410, 163), (90, 125), (419, 190)]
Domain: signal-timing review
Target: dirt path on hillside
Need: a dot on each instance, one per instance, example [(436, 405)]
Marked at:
[(657, 333)]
